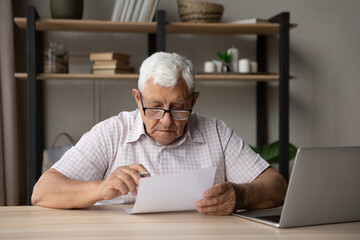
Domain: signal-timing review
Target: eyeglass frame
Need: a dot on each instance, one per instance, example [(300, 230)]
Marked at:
[(166, 111)]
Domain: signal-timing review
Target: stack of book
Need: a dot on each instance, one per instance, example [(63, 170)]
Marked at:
[(110, 63), (134, 10)]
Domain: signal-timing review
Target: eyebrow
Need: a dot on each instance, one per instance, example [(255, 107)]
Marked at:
[(171, 103)]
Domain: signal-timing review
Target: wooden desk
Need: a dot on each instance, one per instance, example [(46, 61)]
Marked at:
[(112, 222)]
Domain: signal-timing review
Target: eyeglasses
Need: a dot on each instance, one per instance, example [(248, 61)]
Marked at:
[(158, 113)]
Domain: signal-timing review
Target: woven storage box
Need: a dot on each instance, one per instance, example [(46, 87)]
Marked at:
[(201, 12)]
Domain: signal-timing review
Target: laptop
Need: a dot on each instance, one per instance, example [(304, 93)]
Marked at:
[(323, 189)]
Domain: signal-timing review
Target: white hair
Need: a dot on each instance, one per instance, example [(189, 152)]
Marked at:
[(166, 69)]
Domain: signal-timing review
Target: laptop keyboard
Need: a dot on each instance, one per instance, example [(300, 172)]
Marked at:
[(271, 218)]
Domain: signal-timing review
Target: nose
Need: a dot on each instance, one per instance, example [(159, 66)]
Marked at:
[(166, 120)]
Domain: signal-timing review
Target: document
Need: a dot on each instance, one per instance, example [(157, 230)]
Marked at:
[(173, 192)]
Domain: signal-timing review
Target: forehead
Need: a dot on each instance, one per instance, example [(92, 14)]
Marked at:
[(156, 92)]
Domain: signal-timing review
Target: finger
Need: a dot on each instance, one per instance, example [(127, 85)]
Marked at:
[(218, 189), (124, 181), (131, 179), (118, 185), (227, 196), (138, 167), (222, 204), (133, 173), (108, 191), (221, 209), (129, 176)]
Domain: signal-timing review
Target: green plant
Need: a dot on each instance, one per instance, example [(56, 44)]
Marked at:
[(270, 152), (225, 57)]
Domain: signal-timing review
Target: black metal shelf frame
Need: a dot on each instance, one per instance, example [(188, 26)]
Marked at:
[(156, 42), (284, 75)]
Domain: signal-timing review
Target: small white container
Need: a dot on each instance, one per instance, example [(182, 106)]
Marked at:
[(209, 67), (253, 67), (234, 59), (218, 65), (244, 65)]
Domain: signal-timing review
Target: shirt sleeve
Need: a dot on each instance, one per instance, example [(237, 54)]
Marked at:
[(242, 164), (89, 158)]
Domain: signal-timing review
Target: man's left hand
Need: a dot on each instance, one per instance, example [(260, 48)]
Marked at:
[(218, 200)]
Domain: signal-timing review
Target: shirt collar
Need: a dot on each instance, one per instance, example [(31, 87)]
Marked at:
[(191, 130), (137, 128)]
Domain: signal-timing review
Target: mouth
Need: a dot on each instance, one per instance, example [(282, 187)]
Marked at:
[(166, 131)]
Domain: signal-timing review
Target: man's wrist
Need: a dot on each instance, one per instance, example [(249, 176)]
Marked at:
[(239, 197)]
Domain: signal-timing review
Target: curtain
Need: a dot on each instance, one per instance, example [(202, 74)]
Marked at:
[(9, 144)]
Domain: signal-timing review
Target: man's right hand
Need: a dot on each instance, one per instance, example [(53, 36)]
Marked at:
[(121, 181), (57, 191)]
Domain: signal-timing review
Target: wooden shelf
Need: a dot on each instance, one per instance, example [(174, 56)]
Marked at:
[(78, 76), (223, 28), (239, 77), (89, 25), (150, 27), (134, 76)]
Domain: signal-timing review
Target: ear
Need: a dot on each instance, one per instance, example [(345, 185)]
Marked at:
[(136, 94), (196, 95)]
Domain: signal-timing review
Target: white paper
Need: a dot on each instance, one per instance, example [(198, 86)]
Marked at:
[(173, 192)]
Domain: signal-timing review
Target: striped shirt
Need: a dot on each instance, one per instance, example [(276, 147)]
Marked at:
[(121, 140)]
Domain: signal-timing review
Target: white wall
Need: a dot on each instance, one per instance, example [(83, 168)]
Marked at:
[(324, 53)]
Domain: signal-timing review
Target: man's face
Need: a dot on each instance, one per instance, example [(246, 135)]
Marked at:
[(165, 130)]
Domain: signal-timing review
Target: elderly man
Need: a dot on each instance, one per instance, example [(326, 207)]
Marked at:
[(161, 137)]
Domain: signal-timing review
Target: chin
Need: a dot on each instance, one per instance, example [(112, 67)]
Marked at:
[(166, 138)]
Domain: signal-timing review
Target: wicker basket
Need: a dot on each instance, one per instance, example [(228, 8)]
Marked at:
[(200, 12)]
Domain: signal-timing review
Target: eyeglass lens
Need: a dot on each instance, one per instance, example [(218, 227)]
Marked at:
[(159, 113)]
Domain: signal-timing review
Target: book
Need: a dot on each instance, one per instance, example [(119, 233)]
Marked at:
[(153, 10), (124, 10), (251, 20), (117, 10), (144, 10), (147, 19), (130, 10), (109, 71), (108, 56), (135, 16), (113, 66), (111, 62)]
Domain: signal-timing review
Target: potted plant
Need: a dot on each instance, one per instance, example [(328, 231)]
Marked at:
[(270, 152), (226, 59)]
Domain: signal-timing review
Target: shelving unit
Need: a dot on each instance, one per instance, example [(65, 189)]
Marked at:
[(157, 32)]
